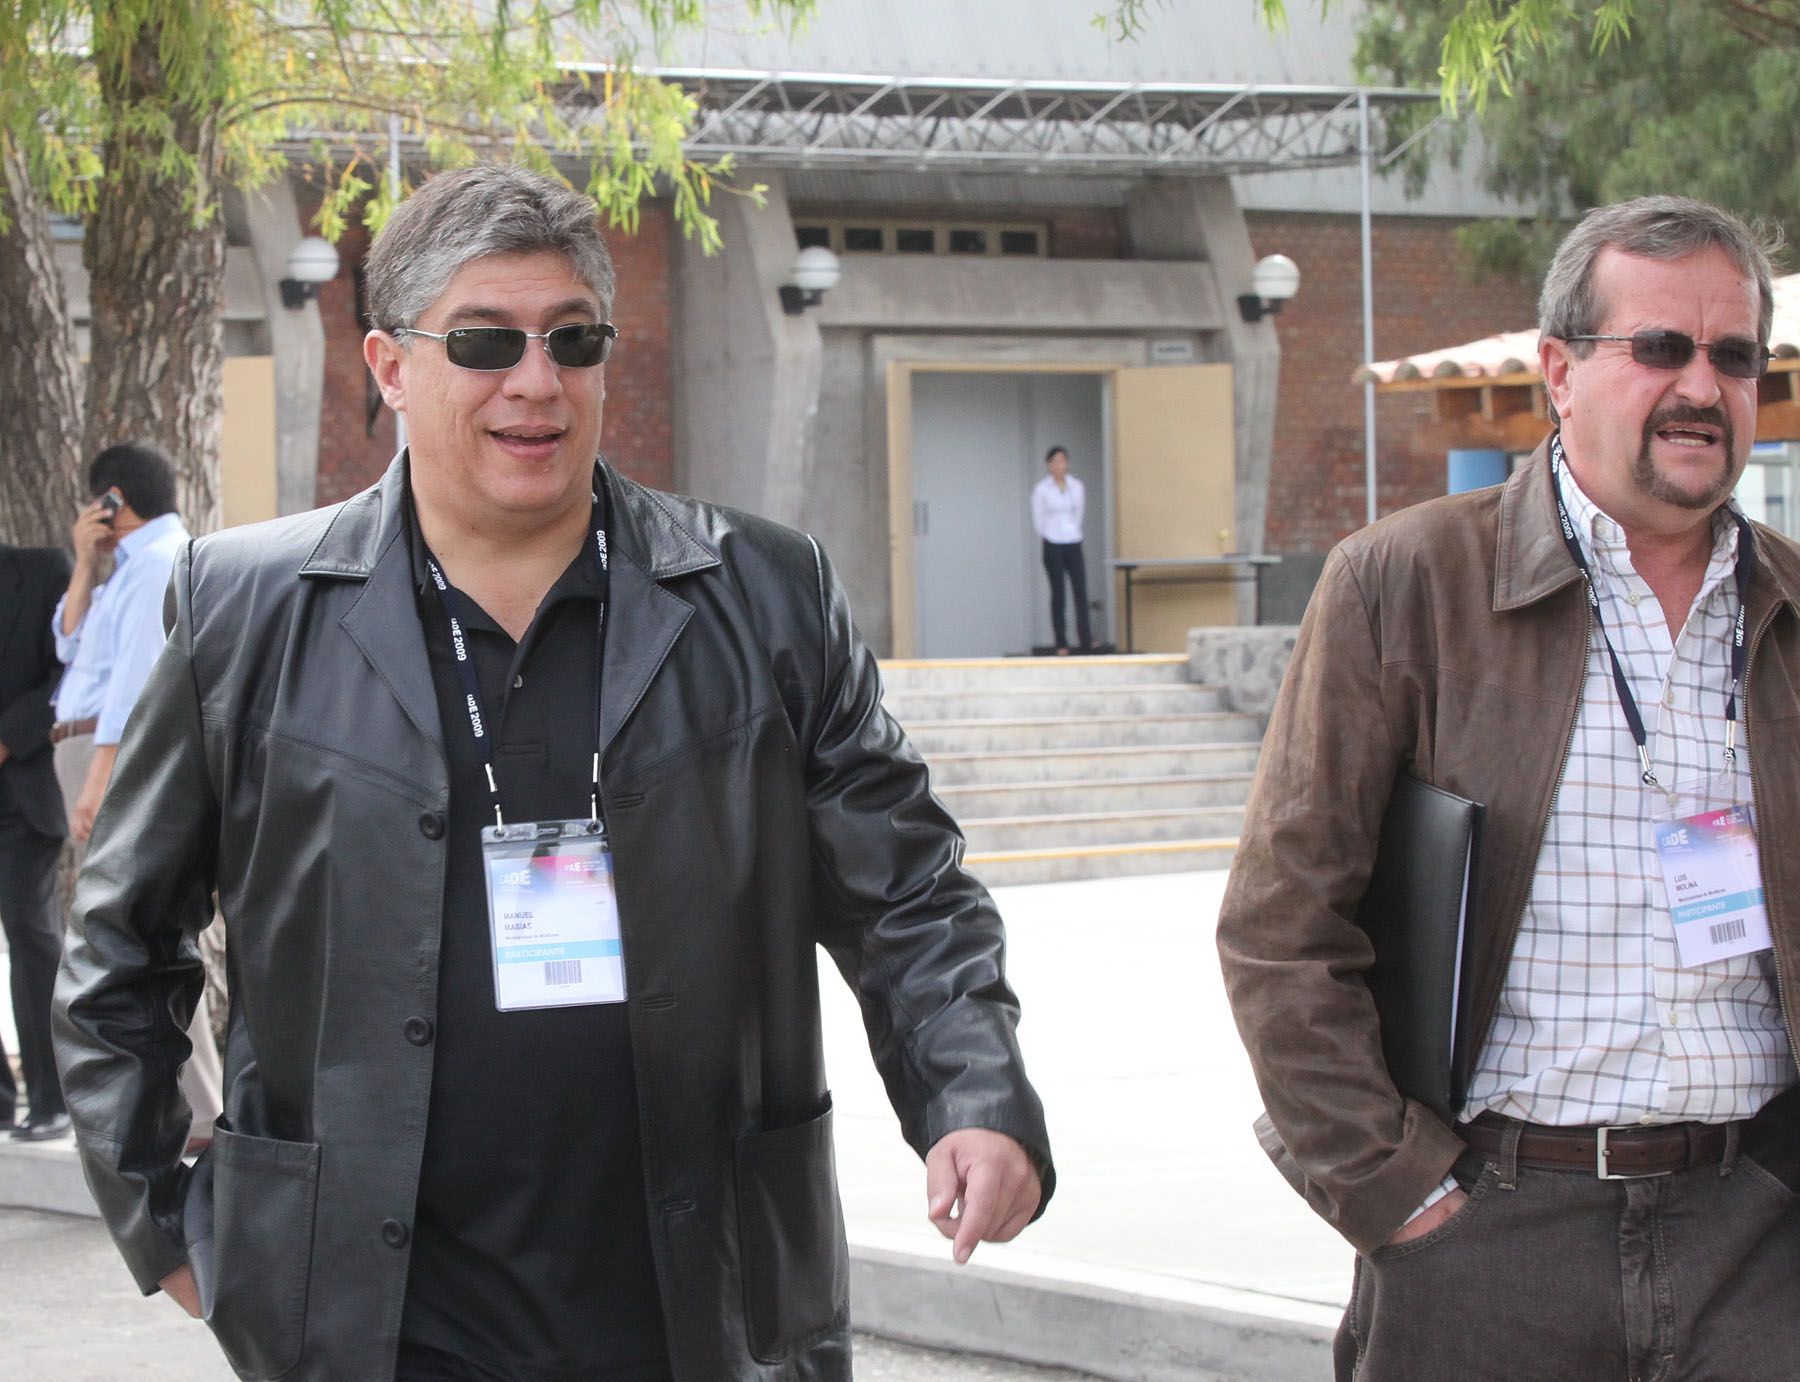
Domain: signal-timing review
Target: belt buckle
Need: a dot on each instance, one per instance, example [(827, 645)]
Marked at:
[(1601, 1152)]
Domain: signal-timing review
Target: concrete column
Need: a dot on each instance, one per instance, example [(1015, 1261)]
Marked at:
[(1199, 219), (296, 340), (749, 372)]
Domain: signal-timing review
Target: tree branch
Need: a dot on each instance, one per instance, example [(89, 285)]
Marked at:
[(1761, 13)]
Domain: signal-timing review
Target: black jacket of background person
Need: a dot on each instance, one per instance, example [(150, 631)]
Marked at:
[(32, 579), (759, 802)]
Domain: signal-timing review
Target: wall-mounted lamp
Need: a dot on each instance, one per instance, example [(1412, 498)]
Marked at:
[(815, 273), (312, 262), (1275, 279)]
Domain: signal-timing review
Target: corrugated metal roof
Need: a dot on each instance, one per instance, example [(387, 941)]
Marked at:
[(1513, 355), (1054, 39)]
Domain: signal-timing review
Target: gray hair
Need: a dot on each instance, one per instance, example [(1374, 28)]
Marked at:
[(1655, 228), (468, 214)]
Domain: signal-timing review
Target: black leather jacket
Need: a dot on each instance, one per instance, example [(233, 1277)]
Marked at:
[(287, 750)]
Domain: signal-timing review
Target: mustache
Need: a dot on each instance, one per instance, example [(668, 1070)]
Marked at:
[(1677, 413)]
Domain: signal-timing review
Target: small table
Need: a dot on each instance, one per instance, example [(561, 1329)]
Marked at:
[(1246, 566)]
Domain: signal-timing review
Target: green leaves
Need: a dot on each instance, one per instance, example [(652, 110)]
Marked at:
[(211, 90), (1580, 104)]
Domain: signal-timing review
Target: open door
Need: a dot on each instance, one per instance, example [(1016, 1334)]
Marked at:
[(1175, 497)]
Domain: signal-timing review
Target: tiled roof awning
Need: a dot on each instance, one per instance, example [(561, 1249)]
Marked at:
[(1489, 393), (1511, 356)]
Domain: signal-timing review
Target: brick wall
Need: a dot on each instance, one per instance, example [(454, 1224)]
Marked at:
[(639, 431), (352, 451), (639, 436), (1424, 300)]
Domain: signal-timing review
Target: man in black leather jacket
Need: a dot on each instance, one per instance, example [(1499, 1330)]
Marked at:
[(528, 794)]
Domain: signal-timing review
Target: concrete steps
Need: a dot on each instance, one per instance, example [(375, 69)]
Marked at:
[(1035, 702), (1001, 834), (935, 737), (1068, 768), (1090, 763), (1095, 794)]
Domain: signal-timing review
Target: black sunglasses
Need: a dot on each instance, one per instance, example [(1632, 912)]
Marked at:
[(1736, 356), (501, 347)]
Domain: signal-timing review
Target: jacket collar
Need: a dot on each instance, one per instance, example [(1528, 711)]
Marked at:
[(644, 530), (649, 544), (1531, 562)]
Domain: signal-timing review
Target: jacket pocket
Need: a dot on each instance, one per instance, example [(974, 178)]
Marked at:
[(793, 1258), (264, 1194)]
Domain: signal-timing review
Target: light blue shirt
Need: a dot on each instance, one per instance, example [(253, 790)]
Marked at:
[(110, 654)]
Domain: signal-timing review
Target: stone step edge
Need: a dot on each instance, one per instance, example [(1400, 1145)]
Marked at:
[(1121, 688), (1108, 1322), (1152, 813), (1041, 721), (1103, 659), (1215, 845), (1110, 750), (1084, 783)]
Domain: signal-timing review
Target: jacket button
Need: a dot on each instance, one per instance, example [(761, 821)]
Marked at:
[(431, 825), (394, 1233), (418, 1031)]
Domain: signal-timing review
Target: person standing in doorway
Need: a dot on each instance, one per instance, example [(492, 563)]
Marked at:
[(1057, 504)]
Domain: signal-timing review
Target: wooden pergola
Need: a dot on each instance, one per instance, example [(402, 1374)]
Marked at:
[(1490, 394)]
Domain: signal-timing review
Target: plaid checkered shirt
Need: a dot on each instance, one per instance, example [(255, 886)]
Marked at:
[(1598, 1022)]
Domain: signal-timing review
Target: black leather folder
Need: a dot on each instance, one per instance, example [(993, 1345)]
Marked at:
[(1418, 912)]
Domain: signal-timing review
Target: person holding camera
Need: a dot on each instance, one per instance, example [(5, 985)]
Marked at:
[(109, 633)]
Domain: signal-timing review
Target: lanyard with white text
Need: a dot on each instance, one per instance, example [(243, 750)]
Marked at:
[(1746, 568), (472, 690)]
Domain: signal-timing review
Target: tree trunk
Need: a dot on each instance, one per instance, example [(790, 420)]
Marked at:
[(155, 254), (40, 377)]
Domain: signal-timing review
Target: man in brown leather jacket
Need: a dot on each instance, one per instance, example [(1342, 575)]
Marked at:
[(1606, 655), (529, 795)]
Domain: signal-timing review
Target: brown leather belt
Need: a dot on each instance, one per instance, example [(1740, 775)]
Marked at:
[(68, 729), (1610, 1153)]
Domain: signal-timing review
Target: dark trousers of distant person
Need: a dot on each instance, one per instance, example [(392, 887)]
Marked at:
[(1064, 559), (34, 949)]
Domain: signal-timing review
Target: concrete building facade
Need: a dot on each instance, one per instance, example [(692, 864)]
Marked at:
[(986, 309)]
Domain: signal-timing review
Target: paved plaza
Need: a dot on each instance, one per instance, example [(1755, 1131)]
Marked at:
[(1172, 1249)]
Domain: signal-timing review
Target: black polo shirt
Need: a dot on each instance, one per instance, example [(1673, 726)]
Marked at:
[(531, 1245)]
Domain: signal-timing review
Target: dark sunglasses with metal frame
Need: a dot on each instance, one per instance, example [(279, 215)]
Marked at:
[(1736, 356), (490, 348)]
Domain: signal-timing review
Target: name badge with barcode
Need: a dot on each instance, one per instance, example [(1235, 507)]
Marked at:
[(553, 916), (1714, 880)]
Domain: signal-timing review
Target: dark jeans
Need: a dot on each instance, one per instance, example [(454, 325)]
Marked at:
[(1570, 1278), (1064, 559), (34, 948)]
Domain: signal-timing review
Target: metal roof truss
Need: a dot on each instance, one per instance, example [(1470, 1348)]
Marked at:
[(811, 120)]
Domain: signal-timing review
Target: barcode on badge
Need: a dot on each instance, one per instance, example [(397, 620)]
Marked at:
[(559, 972), (1732, 930)]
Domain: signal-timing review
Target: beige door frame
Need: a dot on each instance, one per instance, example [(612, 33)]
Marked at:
[(893, 359)]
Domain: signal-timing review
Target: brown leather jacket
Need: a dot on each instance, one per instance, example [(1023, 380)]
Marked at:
[(1451, 640)]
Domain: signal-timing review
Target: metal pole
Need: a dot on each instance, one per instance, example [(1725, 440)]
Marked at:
[(1367, 158), (394, 188)]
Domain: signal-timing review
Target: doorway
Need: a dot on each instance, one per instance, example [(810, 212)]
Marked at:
[(978, 444)]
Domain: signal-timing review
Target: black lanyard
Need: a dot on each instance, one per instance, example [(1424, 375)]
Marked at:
[(1746, 569), (465, 668)]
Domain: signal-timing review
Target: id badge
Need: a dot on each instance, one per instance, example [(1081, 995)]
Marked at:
[(1706, 841), (553, 917)]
